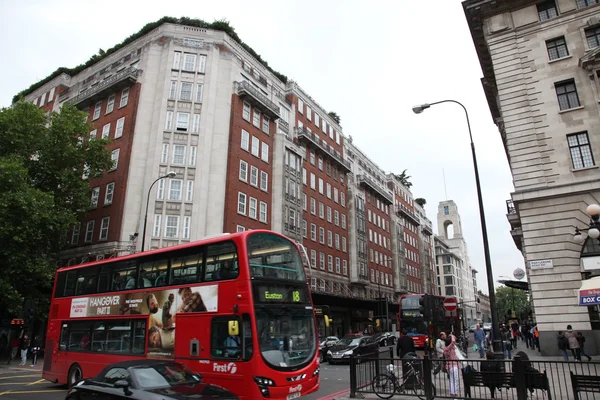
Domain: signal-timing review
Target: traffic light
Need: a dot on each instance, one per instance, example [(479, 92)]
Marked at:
[(424, 307), (378, 322)]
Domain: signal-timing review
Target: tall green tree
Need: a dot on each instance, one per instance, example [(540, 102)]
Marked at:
[(404, 179), (509, 300), (42, 193)]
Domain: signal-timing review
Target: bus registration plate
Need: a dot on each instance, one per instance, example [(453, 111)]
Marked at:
[(293, 396)]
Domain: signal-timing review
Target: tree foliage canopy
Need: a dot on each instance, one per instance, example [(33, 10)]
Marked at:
[(404, 179), (504, 302), (421, 201), (42, 193)]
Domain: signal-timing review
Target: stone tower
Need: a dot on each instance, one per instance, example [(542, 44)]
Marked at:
[(448, 215)]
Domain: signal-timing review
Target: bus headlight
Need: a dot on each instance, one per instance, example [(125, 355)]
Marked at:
[(316, 373), (264, 381)]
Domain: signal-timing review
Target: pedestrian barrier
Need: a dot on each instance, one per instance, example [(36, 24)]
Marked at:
[(516, 379)]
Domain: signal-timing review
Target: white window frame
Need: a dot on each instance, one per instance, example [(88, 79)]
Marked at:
[(255, 151), (124, 98), (202, 63), (171, 226), (187, 227), (196, 123), (172, 90), (242, 200), (106, 131), (189, 62), (193, 156), (246, 111), (156, 226), (312, 181), (169, 121), (243, 173), (189, 191), (109, 194), (175, 193), (119, 128), (160, 190), (264, 181), (51, 95), (185, 91), (183, 122), (252, 208), (263, 212), (245, 142), (164, 156), (178, 155), (264, 152), (114, 156), (253, 176), (89, 231), (240, 228), (94, 197), (93, 134), (97, 109), (75, 234), (199, 92), (265, 124), (104, 224), (256, 118), (110, 104), (313, 232), (177, 60)]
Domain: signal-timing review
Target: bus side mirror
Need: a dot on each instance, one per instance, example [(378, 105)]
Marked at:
[(327, 320), (233, 328)]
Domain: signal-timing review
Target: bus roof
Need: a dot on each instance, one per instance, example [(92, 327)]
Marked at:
[(204, 241)]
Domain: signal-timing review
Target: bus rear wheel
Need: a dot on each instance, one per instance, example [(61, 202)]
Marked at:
[(74, 376)]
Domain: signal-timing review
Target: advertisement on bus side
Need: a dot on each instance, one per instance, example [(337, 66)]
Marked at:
[(161, 306)]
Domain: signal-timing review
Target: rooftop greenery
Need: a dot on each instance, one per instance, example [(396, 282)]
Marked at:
[(220, 25)]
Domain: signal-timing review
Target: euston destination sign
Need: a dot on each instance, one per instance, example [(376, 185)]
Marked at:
[(281, 294)]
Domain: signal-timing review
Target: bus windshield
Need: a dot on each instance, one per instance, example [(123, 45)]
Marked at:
[(273, 256), (286, 335)]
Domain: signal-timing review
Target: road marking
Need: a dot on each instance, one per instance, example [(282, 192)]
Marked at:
[(334, 395), (33, 391), (36, 382), (19, 376)]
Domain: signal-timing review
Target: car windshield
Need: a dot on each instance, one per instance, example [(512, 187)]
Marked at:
[(348, 341), (286, 335), (164, 375)]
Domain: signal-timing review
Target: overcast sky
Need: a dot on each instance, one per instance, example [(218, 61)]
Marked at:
[(369, 61)]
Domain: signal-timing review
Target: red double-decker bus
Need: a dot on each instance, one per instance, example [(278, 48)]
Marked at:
[(411, 318), (235, 308)]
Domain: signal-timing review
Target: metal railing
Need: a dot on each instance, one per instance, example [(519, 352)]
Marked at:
[(315, 140), (127, 73), (369, 182), (510, 207), (247, 88), (518, 378), (402, 209)]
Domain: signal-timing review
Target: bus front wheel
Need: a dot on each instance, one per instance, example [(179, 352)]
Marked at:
[(74, 376)]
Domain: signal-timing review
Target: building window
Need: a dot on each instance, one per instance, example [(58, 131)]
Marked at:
[(183, 120), (179, 155), (265, 124), (344, 244), (156, 227), (175, 189), (592, 36), (120, 125), (322, 266), (313, 232), (176, 60), (252, 208), (51, 95), (124, 98), (240, 228), (169, 121), (330, 263), (567, 95), (108, 196), (196, 123), (321, 235), (104, 228), (187, 224), (264, 181), (557, 48), (97, 109), (337, 265), (89, 232), (256, 118), (75, 234), (343, 221), (304, 228), (111, 104), (245, 140), (254, 176), (172, 226), (255, 146), (185, 92), (345, 267), (263, 212), (164, 156), (243, 171), (114, 156), (189, 62), (241, 203), (300, 106), (106, 131), (313, 206), (581, 152), (246, 112), (202, 63), (547, 10), (94, 197), (265, 152), (193, 152), (93, 134), (189, 193), (172, 90), (586, 3)]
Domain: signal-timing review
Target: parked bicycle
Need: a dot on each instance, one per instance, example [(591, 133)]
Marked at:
[(392, 382)]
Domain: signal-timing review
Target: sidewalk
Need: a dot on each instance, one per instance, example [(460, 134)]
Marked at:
[(14, 365)]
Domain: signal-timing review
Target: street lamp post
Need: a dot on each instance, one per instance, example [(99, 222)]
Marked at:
[(593, 210), (170, 174), (497, 343), (512, 295)]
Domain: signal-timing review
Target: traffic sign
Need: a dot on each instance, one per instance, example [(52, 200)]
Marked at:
[(450, 304)]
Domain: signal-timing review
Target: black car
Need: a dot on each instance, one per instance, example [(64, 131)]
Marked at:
[(325, 345), (385, 339), (351, 345), (148, 380)]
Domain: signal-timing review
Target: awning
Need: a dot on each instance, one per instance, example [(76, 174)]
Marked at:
[(589, 293)]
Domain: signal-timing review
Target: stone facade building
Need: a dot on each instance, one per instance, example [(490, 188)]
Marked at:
[(540, 76)]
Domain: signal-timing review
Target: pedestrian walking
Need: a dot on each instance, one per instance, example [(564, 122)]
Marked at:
[(24, 348), (452, 364), (479, 336), (563, 344), (573, 343), (581, 340), (515, 334), (440, 344), (506, 342)]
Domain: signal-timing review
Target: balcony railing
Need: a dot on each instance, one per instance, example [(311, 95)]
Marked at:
[(365, 180), (313, 138), (427, 229), (403, 210), (245, 89), (120, 79), (361, 279)]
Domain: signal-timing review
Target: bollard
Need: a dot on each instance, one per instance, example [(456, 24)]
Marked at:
[(427, 376), (352, 376), (520, 381)]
